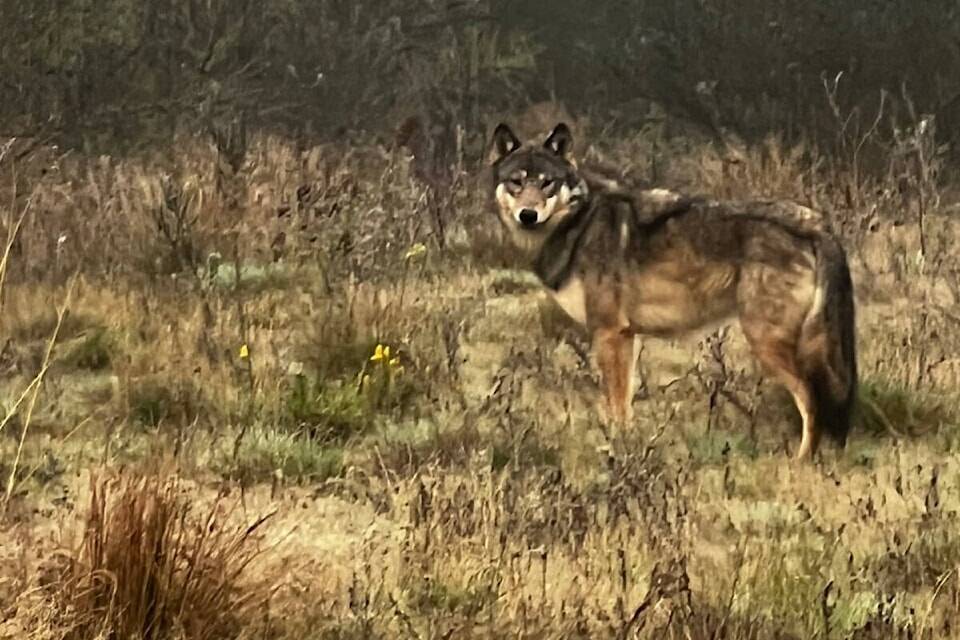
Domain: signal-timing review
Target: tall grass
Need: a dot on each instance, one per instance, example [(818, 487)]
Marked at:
[(150, 565)]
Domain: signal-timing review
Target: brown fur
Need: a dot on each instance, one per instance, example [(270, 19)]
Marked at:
[(656, 263)]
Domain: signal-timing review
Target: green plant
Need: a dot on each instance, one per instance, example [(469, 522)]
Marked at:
[(324, 412), (381, 379), (93, 351), (154, 402), (267, 453), (887, 407), (333, 411), (715, 446), (434, 596)]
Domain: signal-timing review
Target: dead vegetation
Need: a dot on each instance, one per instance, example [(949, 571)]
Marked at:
[(267, 372), (143, 562), (285, 329)]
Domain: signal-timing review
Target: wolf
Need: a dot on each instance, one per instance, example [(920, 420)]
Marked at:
[(627, 263)]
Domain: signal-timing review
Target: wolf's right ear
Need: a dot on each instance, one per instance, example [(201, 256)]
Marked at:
[(504, 142)]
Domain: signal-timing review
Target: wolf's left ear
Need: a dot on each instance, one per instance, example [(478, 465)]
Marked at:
[(560, 141), (504, 142)]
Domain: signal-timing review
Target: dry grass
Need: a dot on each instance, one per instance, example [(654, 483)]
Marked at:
[(148, 564), (230, 323)]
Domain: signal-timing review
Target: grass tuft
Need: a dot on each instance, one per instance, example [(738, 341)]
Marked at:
[(154, 402), (324, 412), (886, 407), (149, 564), (94, 351), (270, 454)]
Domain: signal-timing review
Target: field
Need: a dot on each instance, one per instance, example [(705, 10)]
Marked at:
[(249, 395)]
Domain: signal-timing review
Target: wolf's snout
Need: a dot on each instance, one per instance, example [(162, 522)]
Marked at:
[(528, 217)]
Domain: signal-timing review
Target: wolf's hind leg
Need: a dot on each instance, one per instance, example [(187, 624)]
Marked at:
[(776, 349), (615, 353)]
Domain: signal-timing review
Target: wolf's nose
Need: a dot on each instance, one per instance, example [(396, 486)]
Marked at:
[(528, 217)]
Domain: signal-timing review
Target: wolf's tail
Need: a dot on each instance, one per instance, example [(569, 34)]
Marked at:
[(827, 350)]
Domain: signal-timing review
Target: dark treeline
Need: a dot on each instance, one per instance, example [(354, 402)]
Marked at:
[(101, 72)]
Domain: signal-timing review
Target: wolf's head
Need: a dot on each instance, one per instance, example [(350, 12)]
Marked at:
[(535, 185)]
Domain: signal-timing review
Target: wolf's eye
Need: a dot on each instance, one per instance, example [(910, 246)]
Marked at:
[(548, 185), (515, 184)]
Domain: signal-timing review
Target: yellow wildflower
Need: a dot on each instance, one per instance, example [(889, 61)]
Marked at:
[(380, 353), (395, 365), (415, 251)]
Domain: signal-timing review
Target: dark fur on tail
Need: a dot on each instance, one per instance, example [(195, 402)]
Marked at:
[(832, 369)]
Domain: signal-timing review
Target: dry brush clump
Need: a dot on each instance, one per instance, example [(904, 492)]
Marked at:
[(148, 564)]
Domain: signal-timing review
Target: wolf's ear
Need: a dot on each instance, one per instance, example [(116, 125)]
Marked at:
[(504, 142), (560, 141)]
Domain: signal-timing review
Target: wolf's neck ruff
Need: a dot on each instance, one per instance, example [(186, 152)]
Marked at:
[(554, 261), (619, 210)]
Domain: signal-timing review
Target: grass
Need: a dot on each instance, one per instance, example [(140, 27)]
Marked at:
[(93, 350), (267, 455), (325, 413), (456, 486), (157, 401), (148, 564), (888, 408), (717, 447)]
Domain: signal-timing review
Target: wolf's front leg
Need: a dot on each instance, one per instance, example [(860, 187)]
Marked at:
[(616, 359)]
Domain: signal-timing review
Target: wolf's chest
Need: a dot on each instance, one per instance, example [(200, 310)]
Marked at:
[(570, 297)]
